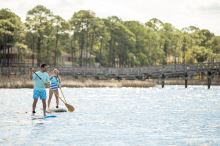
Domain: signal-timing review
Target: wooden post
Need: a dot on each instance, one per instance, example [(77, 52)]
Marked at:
[(163, 80), (209, 78), (186, 79)]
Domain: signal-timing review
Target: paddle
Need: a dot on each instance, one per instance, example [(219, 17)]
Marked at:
[(68, 106), (60, 88), (71, 109), (62, 93)]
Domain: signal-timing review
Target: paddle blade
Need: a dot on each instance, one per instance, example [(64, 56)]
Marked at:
[(69, 107)]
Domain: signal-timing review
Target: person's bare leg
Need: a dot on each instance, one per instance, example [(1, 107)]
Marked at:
[(44, 106), (57, 98), (49, 100), (34, 106)]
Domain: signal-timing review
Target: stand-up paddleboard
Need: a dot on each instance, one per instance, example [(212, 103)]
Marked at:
[(43, 117), (57, 110), (50, 116)]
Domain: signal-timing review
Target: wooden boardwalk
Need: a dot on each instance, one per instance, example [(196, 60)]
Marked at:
[(169, 71)]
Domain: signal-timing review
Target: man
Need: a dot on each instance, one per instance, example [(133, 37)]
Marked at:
[(41, 79)]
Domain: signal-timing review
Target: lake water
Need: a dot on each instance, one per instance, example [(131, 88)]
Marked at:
[(172, 116)]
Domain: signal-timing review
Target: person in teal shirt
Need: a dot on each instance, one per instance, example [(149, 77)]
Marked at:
[(41, 80)]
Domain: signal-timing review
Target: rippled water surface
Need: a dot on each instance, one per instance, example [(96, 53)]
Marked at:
[(172, 116)]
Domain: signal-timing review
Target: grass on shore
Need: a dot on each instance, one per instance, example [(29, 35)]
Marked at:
[(68, 81), (25, 82)]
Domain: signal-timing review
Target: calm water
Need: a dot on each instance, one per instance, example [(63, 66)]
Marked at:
[(173, 116)]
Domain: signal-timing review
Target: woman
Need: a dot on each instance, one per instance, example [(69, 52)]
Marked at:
[(54, 84)]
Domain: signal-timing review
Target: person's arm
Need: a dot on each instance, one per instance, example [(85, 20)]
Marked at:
[(47, 80), (59, 81), (32, 70)]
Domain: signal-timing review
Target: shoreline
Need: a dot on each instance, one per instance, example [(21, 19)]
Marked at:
[(68, 81), (24, 82)]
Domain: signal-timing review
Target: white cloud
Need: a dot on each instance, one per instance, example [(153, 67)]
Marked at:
[(180, 13)]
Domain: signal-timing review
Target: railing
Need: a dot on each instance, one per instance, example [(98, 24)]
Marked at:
[(139, 72)]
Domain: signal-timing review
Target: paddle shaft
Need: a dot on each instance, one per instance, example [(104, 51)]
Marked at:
[(60, 87), (62, 93)]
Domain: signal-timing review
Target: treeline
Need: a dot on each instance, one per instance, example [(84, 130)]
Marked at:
[(110, 42)]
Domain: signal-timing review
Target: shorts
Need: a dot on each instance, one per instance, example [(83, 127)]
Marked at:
[(40, 93)]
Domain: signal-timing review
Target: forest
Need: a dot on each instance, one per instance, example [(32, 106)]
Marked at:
[(107, 42)]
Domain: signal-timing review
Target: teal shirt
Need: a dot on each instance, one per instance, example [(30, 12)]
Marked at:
[(38, 84)]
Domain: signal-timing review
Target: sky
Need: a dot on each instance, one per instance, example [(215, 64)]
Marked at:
[(204, 14)]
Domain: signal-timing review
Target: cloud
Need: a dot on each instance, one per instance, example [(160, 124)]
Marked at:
[(213, 8)]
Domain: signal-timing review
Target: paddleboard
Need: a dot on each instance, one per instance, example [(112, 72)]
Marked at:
[(50, 116), (57, 110), (43, 117)]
